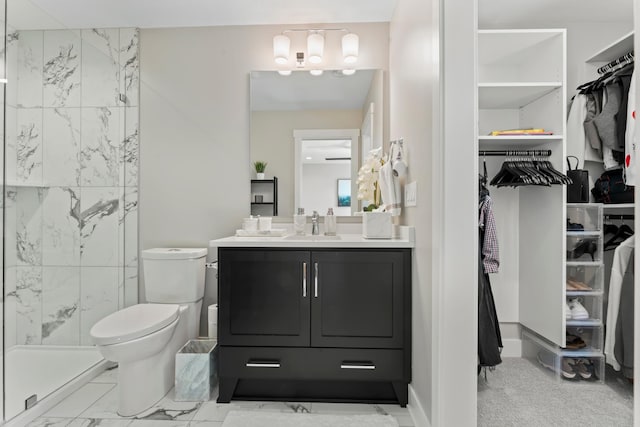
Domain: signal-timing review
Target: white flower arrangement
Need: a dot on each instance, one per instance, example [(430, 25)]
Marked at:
[(368, 187)]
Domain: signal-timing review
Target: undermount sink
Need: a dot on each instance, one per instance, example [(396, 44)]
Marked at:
[(312, 237)]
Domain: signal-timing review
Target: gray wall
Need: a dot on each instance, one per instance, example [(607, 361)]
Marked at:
[(194, 126)]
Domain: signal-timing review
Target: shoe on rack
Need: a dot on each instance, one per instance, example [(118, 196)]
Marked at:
[(586, 246), (576, 285), (578, 312), (574, 226), (580, 368), (567, 311), (567, 369), (574, 342)]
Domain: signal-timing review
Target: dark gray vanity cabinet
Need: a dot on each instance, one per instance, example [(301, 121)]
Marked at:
[(314, 324)]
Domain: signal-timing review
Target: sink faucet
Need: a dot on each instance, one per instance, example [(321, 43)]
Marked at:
[(315, 227)]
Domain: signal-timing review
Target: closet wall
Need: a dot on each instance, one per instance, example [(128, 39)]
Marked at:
[(582, 43)]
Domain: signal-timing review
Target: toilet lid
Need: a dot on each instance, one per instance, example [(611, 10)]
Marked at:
[(133, 322)]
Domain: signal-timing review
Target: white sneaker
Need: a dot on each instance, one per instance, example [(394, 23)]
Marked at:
[(567, 311), (578, 312)]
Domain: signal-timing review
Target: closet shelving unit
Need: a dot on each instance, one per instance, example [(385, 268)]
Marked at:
[(587, 271), (581, 268), (522, 84)]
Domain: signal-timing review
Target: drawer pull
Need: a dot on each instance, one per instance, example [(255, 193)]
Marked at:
[(263, 365), (346, 365), (304, 280), (315, 292)]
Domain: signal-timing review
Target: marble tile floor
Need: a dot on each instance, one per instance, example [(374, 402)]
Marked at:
[(95, 404)]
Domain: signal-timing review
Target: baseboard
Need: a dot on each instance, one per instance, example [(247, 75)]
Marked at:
[(512, 347), (416, 410), (57, 396)]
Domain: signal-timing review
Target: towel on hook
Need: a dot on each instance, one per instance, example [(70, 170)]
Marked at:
[(390, 190)]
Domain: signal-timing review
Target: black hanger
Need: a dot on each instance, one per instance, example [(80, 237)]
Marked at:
[(623, 233)]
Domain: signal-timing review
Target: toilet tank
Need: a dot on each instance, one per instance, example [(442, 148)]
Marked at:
[(174, 275)]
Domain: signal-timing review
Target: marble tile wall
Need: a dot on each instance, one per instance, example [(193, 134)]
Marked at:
[(72, 175)]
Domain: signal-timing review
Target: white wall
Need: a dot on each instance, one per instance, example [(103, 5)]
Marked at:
[(320, 190), (272, 141), (413, 86), (194, 125)]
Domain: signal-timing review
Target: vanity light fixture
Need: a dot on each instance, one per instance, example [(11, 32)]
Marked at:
[(281, 45), (315, 44), (350, 46), (348, 72), (316, 72), (284, 72), (315, 47)]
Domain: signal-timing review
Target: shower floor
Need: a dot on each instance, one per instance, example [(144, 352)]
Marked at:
[(41, 370)]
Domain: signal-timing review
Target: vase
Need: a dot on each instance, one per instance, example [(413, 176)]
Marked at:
[(259, 175), (377, 225)]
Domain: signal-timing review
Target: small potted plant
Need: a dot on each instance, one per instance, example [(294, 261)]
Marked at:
[(260, 167)]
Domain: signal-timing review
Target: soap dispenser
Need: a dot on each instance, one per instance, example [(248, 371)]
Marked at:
[(299, 222), (330, 223)]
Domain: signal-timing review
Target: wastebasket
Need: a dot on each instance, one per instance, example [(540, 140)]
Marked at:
[(196, 374)]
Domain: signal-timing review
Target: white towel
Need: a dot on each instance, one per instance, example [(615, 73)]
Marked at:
[(390, 190)]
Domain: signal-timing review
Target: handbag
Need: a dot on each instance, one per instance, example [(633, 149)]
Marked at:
[(578, 190), (611, 188)]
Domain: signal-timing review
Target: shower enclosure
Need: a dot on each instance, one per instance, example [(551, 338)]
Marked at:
[(70, 191)]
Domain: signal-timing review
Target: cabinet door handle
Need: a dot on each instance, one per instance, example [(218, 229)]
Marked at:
[(315, 281), (304, 280), (354, 365), (263, 364)]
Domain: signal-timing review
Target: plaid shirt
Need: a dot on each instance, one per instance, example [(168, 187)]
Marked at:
[(490, 256)]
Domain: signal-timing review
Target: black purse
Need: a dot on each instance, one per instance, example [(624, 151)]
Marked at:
[(611, 188), (578, 190)]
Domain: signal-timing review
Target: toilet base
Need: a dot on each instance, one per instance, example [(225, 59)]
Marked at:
[(143, 383)]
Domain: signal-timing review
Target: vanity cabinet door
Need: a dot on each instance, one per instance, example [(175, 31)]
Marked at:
[(359, 298), (262, 297)]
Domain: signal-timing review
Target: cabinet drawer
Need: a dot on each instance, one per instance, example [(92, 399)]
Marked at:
[(311, 363)]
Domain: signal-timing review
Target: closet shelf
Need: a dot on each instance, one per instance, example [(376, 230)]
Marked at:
[(584, 293), (615, 50), (510, 95), (586, 322), (583, 233), (585, 352), (516, 142), (583, 263), (607, 207)]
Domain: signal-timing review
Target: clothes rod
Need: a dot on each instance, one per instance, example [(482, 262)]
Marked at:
[(539, 153), (619, 216), (623, 60)]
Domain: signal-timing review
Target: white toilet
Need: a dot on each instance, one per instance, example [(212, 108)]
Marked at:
[(144, 338)]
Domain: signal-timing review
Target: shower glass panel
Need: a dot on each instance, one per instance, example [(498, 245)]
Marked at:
[(70, 197)]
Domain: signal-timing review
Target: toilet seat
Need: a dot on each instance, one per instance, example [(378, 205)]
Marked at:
[(133, 322)]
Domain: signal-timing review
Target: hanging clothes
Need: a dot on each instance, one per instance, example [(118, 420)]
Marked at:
[(576, 140), (630, 135), (489, 337), (621, 260)]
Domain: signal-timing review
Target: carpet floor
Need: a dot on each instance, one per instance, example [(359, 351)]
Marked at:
[(262, 419), (522, 393)]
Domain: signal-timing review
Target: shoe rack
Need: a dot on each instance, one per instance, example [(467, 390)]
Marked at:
[(582, 356)]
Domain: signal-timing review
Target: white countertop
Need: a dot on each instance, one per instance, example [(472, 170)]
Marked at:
[(405, 239)]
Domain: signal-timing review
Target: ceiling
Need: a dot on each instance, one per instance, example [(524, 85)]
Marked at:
[(60, 14), (550, 13)]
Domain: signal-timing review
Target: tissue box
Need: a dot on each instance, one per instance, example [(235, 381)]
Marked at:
[(377, 225)]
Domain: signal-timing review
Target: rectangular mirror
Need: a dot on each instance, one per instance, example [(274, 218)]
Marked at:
[(312, 132)]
